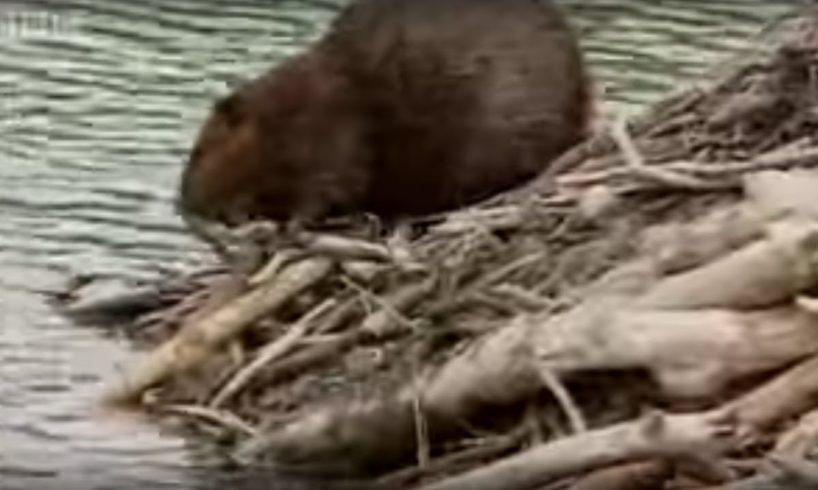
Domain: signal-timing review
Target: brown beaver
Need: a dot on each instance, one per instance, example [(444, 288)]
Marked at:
[(404, 107)]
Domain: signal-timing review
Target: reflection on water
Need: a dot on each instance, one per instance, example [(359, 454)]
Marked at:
[(98, 103)]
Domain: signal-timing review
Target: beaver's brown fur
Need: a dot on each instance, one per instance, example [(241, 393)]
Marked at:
[(404, 107)]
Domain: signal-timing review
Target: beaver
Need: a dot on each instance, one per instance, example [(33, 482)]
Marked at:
[(403, 108)]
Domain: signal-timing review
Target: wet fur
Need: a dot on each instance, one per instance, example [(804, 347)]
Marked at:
[(404, 107)]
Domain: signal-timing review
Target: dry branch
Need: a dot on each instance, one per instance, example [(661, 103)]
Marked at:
[(672, 436), (491, 448), (648, 475), (196, 341), (791, 393), (222, 418), (382, 324), (272, 351), (758, 275)]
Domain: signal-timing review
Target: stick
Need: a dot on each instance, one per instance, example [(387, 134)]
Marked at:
[(276, 349), (341, 247), (651, 436), (789, 394), (773, 160), (640, 170), (378, 325), (564, 399), (758, 275), (198, 339), (487, 449), (223, 418)]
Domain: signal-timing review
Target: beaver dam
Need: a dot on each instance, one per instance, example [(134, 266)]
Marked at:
[(642, 316)]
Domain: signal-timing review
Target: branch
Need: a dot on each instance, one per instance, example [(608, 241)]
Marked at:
[(197, 340), (690, 435)]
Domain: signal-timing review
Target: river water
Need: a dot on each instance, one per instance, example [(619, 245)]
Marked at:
[(99, 100)]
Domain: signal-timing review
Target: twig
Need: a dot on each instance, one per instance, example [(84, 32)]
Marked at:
[(522, 298), (494, 218), (336, 319), (223, 418), (272, 351), (384, 305), (197, 340), (421, 429), (378, 325), (637, 167), (281, 258), (773, 160), (504, 271), (341, 247), (487, 449), (564, 399), (669, 436)]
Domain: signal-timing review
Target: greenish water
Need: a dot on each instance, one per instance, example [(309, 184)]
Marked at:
[(99, 101)]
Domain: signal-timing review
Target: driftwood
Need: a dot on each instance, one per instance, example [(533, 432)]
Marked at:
[(684, 436), (197, 340), (690, 352), (780, 475), (730, 426), (647, 475), (667, 265)]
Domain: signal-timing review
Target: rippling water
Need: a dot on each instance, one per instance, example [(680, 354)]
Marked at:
[(98, 103)]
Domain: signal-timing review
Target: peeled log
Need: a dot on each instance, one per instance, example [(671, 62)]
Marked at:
[(629, 441), (648, 475), (197, 340), (758, 275), (691, 353)]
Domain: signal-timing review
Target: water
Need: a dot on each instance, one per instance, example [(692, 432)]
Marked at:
[(99, 101)]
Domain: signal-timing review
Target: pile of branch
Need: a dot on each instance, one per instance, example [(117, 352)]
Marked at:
[(640, 316)]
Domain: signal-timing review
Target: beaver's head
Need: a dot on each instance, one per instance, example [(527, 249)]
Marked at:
[(221, 180), (285, 145)]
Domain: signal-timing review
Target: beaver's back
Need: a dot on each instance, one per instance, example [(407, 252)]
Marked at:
[(404, 107), (467, 97)]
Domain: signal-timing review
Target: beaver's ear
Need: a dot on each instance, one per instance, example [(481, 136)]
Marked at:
[(229, 108)]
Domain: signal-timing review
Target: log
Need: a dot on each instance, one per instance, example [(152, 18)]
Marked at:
[(643, 475), (791, 393), (757, 411), (197, 340), (784, 474), (654, 435), (691, 353), (758, 275), (801, 439)]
